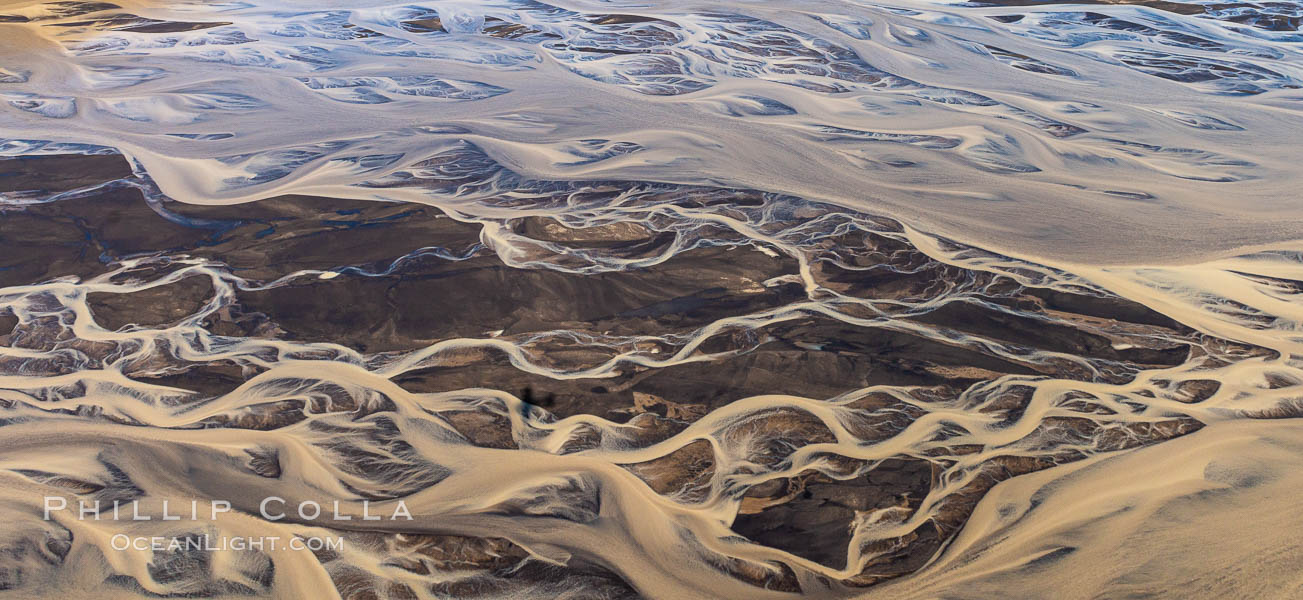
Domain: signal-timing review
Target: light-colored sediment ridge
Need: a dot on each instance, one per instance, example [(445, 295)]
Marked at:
[(1204, 516), (1147, 137)]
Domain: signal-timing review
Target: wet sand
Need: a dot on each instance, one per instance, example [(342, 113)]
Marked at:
[(651, 301)]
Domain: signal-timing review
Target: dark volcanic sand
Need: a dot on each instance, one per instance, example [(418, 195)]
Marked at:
[(381, 305)]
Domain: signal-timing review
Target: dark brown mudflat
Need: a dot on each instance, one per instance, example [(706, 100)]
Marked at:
[(402, 277)]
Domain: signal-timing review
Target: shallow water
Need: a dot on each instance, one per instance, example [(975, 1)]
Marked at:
[(732, 300)]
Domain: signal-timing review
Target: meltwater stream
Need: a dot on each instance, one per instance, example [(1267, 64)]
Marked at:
[(653, 299)]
